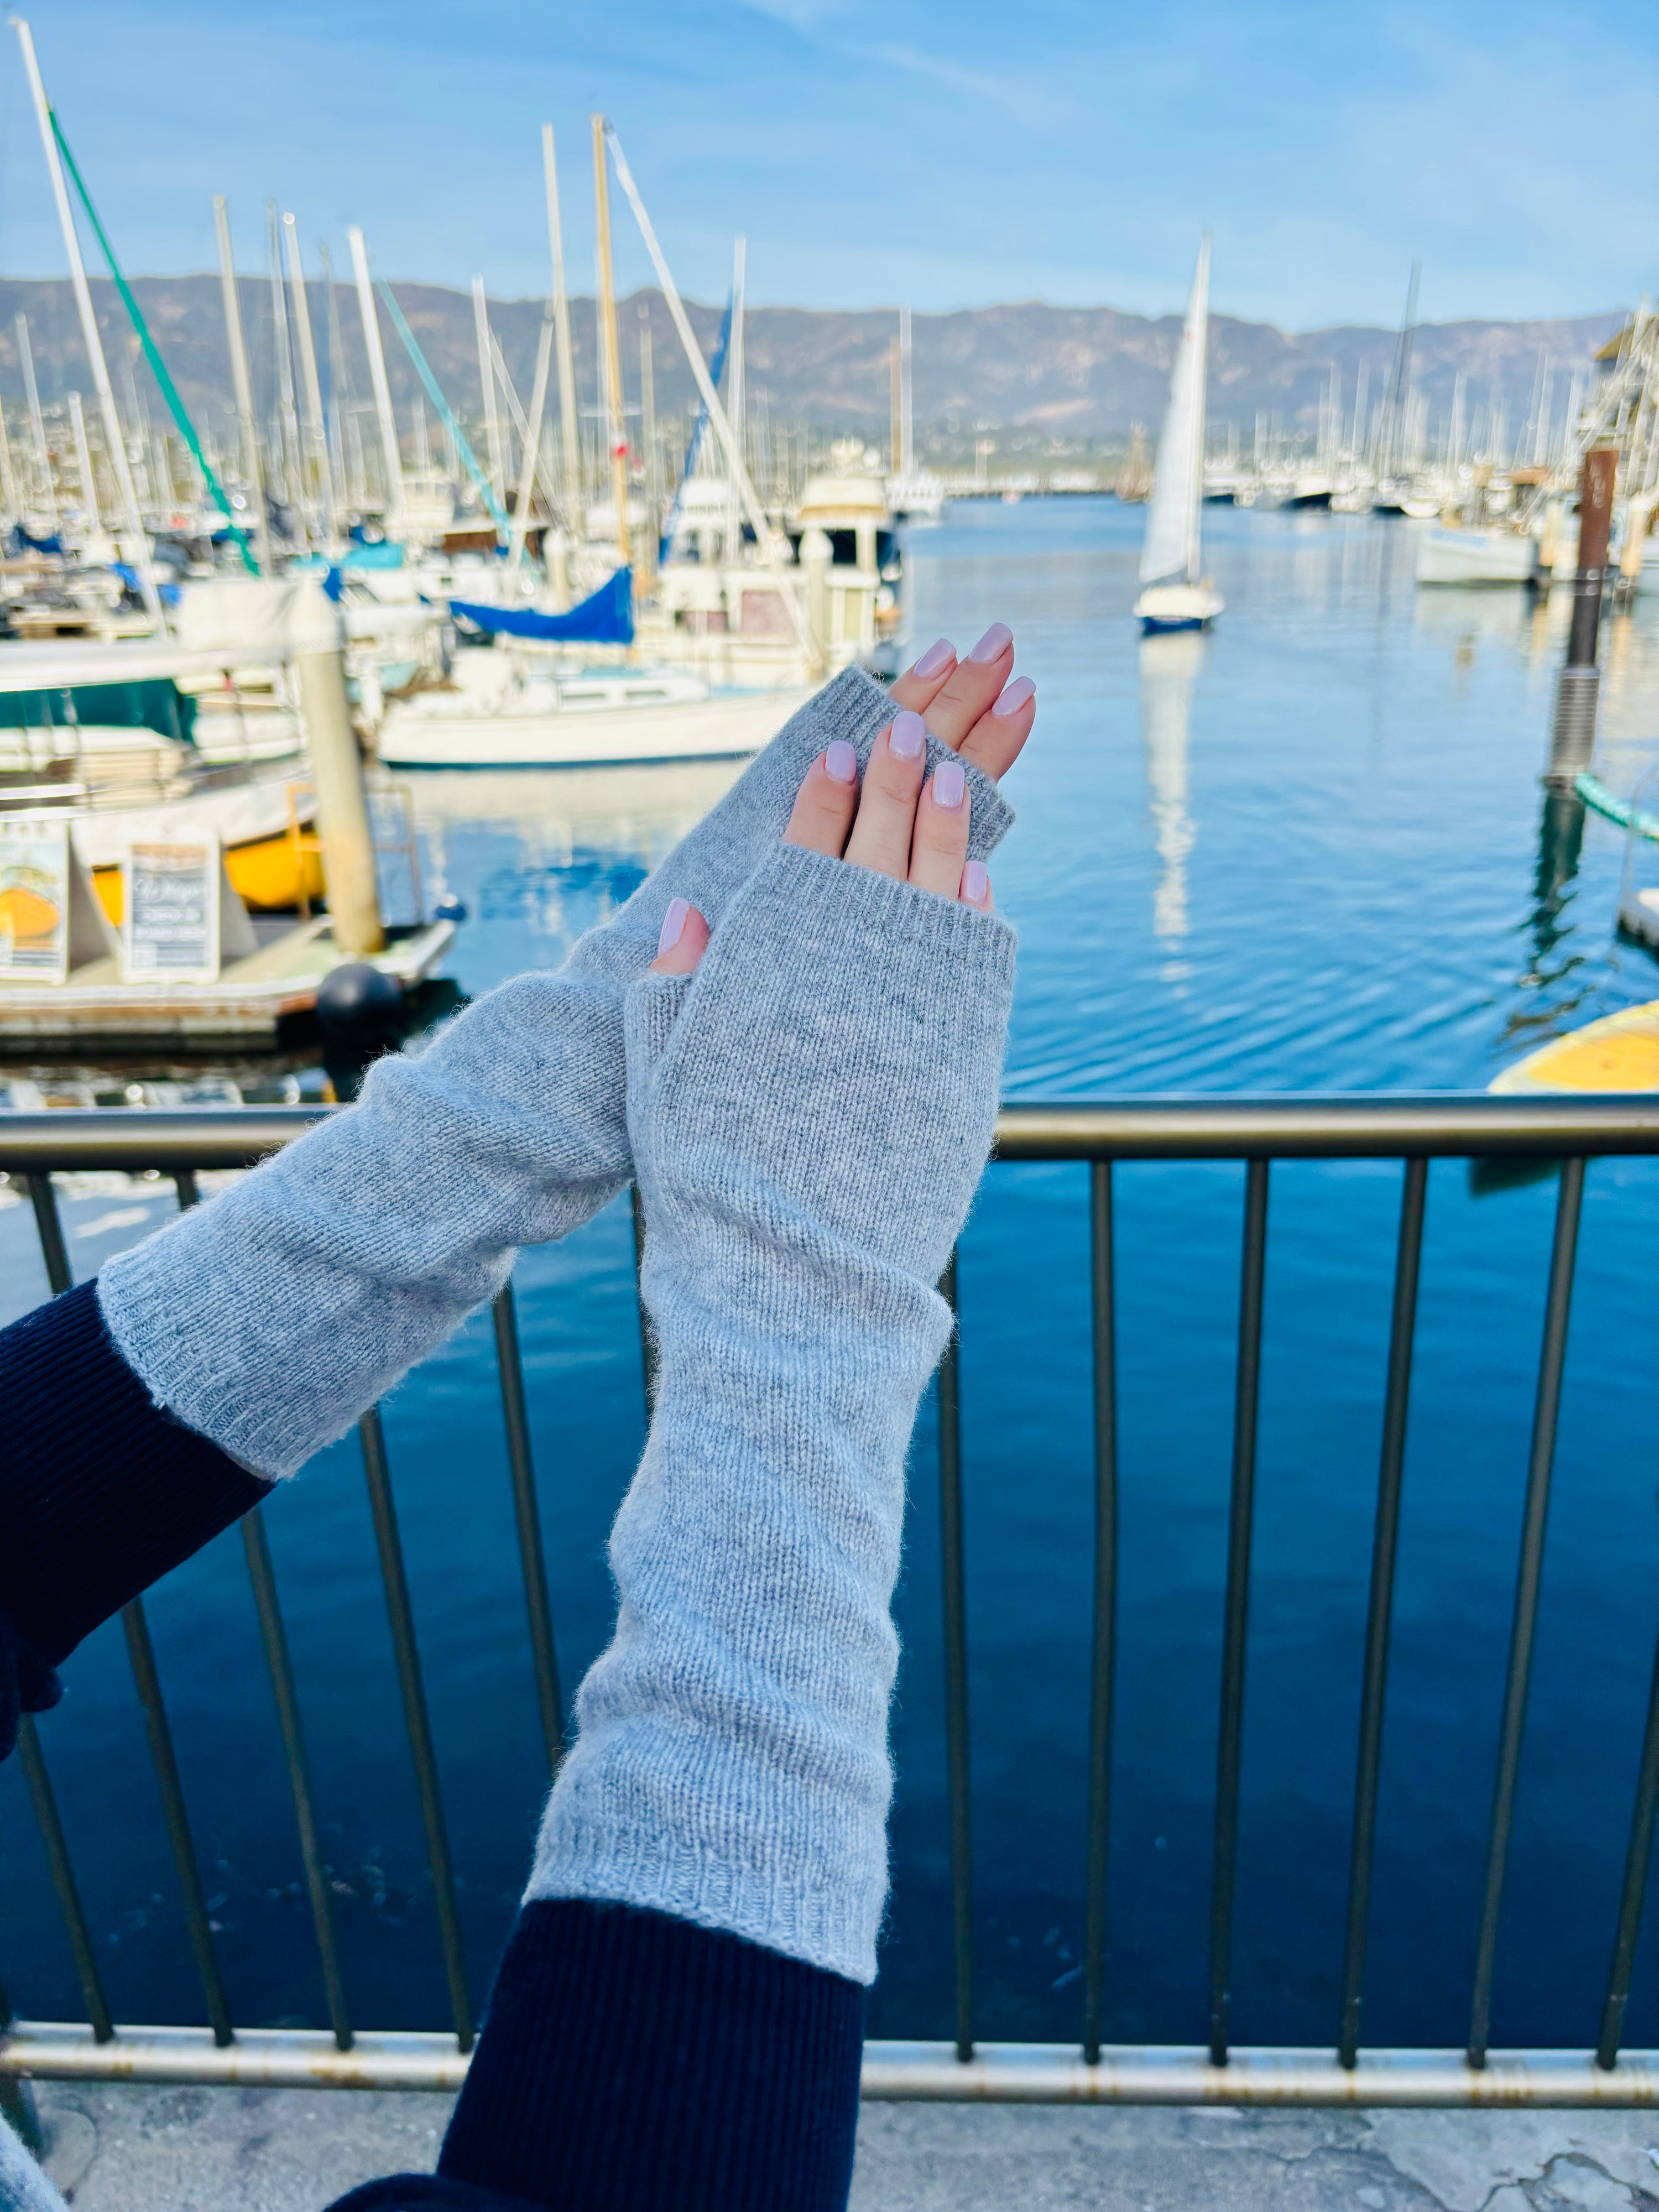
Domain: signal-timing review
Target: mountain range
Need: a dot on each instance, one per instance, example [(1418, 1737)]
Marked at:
[(1029, 373)]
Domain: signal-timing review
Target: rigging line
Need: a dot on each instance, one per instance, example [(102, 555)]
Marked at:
[(158, 367)]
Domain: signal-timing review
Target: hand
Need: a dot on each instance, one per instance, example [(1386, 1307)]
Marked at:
[(969, 705), (897, 825)]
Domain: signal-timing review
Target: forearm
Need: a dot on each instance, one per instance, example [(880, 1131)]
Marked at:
[(270, 1318), (731, 1765)]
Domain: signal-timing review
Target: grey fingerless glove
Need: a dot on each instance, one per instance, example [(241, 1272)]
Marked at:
[(270, 1318), (810, 1114)]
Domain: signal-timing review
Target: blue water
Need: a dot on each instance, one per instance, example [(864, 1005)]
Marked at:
[(1308, 852)]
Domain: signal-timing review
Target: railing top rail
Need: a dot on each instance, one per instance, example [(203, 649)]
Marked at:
[(1450, 1124), (1453, 1125)]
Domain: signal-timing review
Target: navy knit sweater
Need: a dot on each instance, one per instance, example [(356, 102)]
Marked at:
[(627, 2061)]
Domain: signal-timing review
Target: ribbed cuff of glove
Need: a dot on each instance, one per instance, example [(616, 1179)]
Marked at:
[(270, 1318), (810, 1114)]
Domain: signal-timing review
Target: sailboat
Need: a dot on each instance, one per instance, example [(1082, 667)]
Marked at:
[(1177, 597)]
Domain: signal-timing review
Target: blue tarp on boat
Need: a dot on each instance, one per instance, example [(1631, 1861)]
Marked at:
[(606, 619)]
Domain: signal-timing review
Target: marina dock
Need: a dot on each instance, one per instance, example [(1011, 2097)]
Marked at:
[(246, 1004)]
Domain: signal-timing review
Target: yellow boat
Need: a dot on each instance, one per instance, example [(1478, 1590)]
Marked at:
[(1621, 1051), (266, 831)]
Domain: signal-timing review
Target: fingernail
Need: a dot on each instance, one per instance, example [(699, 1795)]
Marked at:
[(937, 658), (974, 883), (948, 785), (1014, 696), (673, 924), (996, 640), (841, 762), (909, 736)]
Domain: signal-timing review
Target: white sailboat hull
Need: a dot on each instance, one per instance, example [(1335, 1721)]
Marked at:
[(1178, 606), (1476, 556), (702, 729)]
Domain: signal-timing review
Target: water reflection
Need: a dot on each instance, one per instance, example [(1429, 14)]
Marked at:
[(1169, 666)]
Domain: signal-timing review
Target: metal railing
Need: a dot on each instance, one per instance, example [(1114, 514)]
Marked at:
[(1563, 1131)]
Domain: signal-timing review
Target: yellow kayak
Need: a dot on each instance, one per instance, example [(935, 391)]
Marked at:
[(1619, 1053)]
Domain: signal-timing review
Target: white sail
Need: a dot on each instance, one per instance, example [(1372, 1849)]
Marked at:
[(1170, 553)]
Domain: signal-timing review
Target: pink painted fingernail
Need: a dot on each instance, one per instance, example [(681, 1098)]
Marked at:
[(909, 737), (673, 925), (974, 883), (948, 785), (841, 762), (1014, 696), (937, 658), (996, 640)]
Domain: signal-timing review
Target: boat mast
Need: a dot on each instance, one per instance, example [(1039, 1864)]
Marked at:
[(37, 420), (8, 479), (394, 467), (313, 384), (83, 462), (647, 431), (569, 428), (610, 350), (1392, 455), (113, 437), (735, 385), (487, 385), (907, 423), (533, 442), (286, 413), (775, 547), (253, 474)]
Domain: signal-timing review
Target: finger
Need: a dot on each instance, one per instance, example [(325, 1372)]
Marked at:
[(995, 741), (976, 886), (887, 804), (918, 686), (939, 846), (826, 802), (684, 941), (965, 695)]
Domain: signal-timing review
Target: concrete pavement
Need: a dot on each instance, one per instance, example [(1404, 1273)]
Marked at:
[(118, 2148)]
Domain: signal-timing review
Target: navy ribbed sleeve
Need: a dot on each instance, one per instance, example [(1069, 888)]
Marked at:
[(100, 1493), (632, 2062)]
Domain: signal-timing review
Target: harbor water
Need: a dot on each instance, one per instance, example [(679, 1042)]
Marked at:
[(1307, 853)]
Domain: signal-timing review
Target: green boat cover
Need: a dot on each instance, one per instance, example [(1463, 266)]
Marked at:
[(152, 704)]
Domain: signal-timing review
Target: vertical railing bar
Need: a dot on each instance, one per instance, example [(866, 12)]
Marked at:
[(956, 1671), (274, 1638), (648, 1339), (395, 1583), (1236, 1619), (62, 1879), (532, 1556), (1380, 1614), (142, 1653), (184, 1182), (1545, 1415), (1637, 1860), (49, 1228), (1104, 1349)]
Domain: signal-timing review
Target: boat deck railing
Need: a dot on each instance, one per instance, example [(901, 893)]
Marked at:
[(1566, 1133)]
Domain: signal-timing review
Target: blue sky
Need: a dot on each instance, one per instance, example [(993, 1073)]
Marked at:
[(876, 151)]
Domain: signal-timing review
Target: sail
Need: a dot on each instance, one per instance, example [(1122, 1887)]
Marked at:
[(1170, 553)]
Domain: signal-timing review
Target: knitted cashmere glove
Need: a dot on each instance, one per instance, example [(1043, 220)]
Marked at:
[(270, 1318), (810, 1113)]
